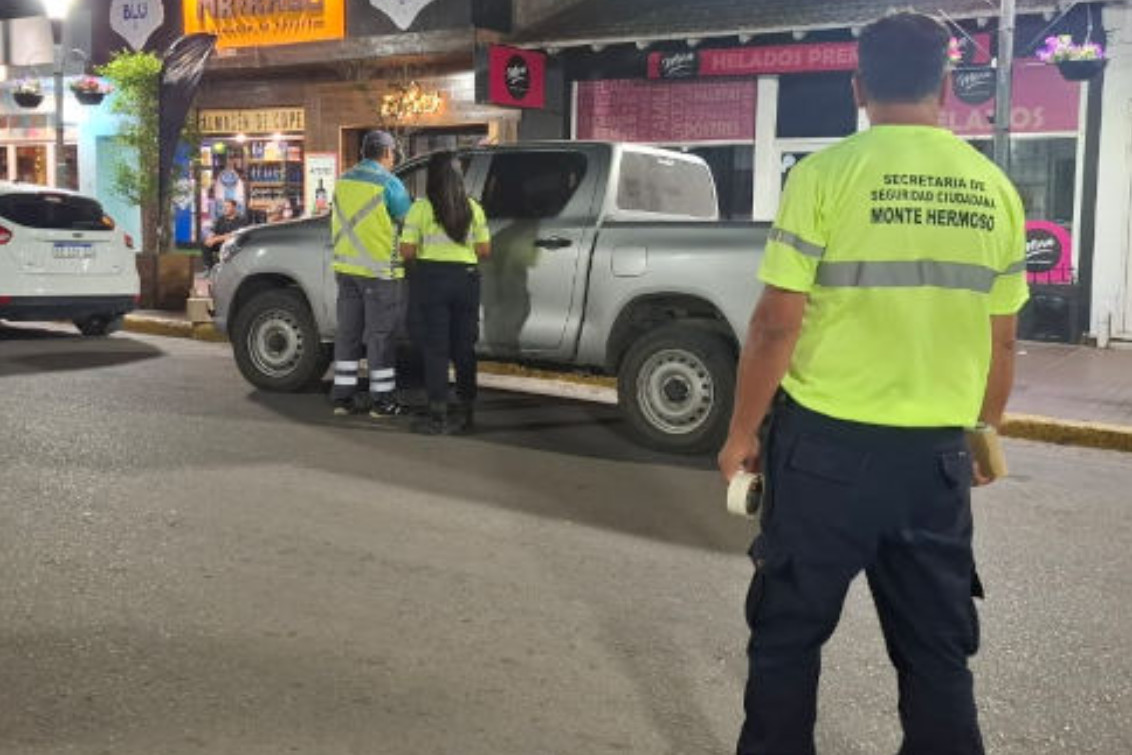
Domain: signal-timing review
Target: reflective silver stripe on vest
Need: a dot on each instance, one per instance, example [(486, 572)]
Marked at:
[(796, 243), (1017, 267), (349, 226), (383, 270), (907, 274)]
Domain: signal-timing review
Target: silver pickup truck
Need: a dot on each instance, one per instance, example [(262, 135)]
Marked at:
[(606, 257)]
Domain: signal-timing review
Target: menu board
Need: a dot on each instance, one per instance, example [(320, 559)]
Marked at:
[(666, 112)]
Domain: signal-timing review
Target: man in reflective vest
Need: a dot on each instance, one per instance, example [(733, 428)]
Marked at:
[(368, 201), (894, 273)]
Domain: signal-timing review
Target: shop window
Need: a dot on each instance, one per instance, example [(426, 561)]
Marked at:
[(31, 165), (816, 105), (71, 176), (532, 185), (659, 184), (1044, 172), (733, 168), (4, 175)]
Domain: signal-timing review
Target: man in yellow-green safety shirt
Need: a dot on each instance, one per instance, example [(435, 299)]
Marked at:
[(894, 272), (368, 203)]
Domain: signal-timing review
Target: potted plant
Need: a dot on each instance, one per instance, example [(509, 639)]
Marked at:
[(89, 90), (28, 93), (1076, 62)]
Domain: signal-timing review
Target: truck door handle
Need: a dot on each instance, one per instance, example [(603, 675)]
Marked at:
[(552, 243)]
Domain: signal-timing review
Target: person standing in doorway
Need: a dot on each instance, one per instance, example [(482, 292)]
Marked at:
[(368, 203), (894, 273), (446, 236)]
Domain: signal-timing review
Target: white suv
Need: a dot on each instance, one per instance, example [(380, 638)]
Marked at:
[(62, 259)]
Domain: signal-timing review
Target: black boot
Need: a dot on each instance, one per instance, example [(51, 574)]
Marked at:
[(436, 423), (464, 417)]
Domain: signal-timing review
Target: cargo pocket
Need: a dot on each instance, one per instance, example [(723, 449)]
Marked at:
[(832, 463), (757, 588), (956, 470), (974, 638)]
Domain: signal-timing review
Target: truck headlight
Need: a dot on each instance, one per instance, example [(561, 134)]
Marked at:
[(230, 248)]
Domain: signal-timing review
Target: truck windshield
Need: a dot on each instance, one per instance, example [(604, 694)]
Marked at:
[(664, 185)]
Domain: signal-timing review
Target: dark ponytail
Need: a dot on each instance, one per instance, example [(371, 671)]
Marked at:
[(445, 190)]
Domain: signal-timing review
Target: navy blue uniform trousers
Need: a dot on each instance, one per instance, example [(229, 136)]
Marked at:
[(447, 295), (844, 498)]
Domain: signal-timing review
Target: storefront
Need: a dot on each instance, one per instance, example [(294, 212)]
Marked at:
[(27, 140), (281, 120), (754, 105), (255, 158)]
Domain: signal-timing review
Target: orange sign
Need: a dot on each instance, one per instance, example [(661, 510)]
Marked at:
[(257, 23)]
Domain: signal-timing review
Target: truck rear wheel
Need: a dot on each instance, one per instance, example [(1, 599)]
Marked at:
[(276, 343), (675, 388)]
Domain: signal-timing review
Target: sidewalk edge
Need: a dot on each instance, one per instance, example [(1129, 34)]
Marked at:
[(155, 326), (1068, 432), (598, 388)]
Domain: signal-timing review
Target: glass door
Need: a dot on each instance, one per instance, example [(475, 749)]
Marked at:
[(31, 165)]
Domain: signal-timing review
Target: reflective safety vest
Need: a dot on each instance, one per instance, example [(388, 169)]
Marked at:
[(363, 234)]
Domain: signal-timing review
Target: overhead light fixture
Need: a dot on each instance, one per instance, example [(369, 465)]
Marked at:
[(693, 42), (745, 38), (408, 101), (643, 44), (799, 36), (57, 10)]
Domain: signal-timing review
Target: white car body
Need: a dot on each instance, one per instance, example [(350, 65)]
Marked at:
[(61, 258)]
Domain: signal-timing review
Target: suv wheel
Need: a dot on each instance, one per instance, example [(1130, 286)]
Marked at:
[(676, 386), (276, 343), (98, 325)]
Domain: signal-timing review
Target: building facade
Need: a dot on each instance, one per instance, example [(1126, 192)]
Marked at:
[(754, 89)]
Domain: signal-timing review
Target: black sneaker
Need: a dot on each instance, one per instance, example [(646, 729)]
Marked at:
[(346, 407), (433, 424), (461, 419), (386, 410)]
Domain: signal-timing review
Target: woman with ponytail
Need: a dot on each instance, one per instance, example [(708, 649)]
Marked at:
[(446, 236)]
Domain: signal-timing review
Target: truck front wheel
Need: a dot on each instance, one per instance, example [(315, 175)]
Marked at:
[(675, 388), (276, 343)]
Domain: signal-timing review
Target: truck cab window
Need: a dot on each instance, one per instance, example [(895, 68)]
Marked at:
[(532, 185)]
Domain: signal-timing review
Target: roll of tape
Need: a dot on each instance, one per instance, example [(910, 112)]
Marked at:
[(737, 493)]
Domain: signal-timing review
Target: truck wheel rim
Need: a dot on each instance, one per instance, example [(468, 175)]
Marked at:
[(275, 343), (675, 391)]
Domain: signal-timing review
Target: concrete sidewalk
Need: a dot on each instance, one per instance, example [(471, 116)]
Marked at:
[(1073, 395)]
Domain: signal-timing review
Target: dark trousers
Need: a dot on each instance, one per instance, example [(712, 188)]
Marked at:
[(447, 298), (209, 255), (895, 503), (370, 313)]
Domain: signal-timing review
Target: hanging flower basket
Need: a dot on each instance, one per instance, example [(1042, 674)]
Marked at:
[(89, 98), (89, 91), (28, 99), (28, 93), (1075, 62), (1080, 70)]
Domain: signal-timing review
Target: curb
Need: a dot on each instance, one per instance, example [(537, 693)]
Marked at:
[(1068, 432), (156, 326), (603, 389)]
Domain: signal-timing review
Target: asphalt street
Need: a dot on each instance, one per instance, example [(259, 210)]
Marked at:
[(190, 566)]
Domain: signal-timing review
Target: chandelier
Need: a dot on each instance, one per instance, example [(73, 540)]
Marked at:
[(408, 101)]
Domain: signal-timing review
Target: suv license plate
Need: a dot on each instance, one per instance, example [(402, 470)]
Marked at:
[(73, 251)]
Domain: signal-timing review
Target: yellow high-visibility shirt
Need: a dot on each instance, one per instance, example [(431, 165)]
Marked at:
[(423, 230), (907, 241)]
